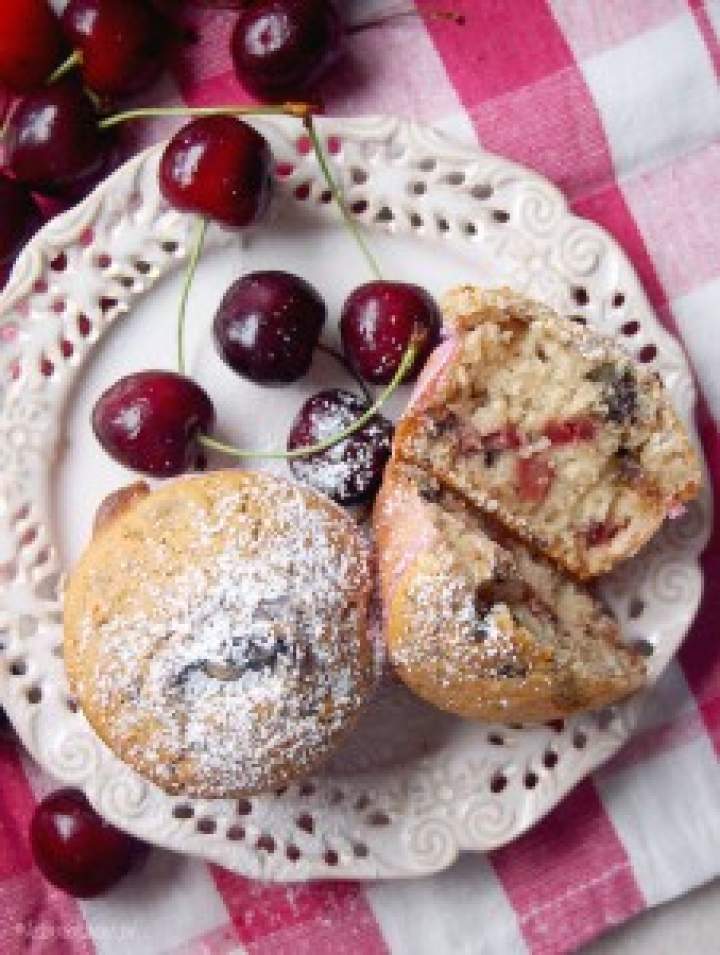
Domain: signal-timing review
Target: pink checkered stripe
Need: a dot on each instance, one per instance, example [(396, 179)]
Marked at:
[(529, 80)]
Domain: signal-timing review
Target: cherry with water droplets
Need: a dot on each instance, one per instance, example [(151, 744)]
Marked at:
[(150, 421), (268, 325), (75, 849), (350, 471), (20, 218), (378, 322), (281, 47), (53, 143), (31, 44), (219, 167), (122, 43)]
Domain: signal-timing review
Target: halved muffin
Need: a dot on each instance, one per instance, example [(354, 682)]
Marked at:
[(552, 427), (478, 624)]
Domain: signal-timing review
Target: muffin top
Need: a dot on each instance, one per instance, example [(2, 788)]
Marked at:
[(216, 632)]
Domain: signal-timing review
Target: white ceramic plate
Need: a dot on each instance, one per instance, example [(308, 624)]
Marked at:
[(413, 787)]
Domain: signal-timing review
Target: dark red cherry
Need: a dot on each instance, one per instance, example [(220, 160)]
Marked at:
[(267, 326), (122, 44), (75, 849), (349, 472), (20, 217), (53, 142), (150, 421), (31, 44), (377, 323), (114, 154), (280, 47), (220, 167)]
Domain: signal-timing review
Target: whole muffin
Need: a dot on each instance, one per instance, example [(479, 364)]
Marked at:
[(216, 632)]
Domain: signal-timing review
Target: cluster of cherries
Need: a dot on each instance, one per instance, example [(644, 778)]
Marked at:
[(266, 329), (68, 71)]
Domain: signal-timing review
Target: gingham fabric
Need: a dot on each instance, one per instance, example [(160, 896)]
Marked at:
[(617, 102)]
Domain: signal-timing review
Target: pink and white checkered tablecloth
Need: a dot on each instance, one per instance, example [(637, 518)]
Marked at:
[(616, 101)]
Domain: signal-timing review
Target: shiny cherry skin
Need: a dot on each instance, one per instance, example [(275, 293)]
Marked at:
[(20, 218), (75, 849), (122, 43), (150, 421), (377, 323), (280, 47), (53, 142), (31, 44), (350, 471), (219, 167), (268, 325)]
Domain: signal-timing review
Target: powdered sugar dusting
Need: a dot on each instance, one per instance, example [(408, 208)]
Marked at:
[(473, 639), (232, 664), (349, 471), (481, 626)]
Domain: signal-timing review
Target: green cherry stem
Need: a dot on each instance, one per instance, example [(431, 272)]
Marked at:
[(195, 254), (359, 423), (402, 11), (75, 59), (298, 110), (339, 197), (303, 112)]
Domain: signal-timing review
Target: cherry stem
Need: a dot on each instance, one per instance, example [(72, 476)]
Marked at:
[(338, 196), (75, 59), (301, 111), (401, 12), (342, 360), (189, 275), (94, 99), (298, 110), (359, 423)]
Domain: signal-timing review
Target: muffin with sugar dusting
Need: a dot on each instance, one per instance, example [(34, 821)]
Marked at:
[(216, 632), (480, 625)]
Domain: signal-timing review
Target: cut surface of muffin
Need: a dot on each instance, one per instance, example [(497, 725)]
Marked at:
[(478, 624), (553, 428)]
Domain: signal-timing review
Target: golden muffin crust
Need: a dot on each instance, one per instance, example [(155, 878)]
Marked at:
[(479, 625), (216, 632)]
